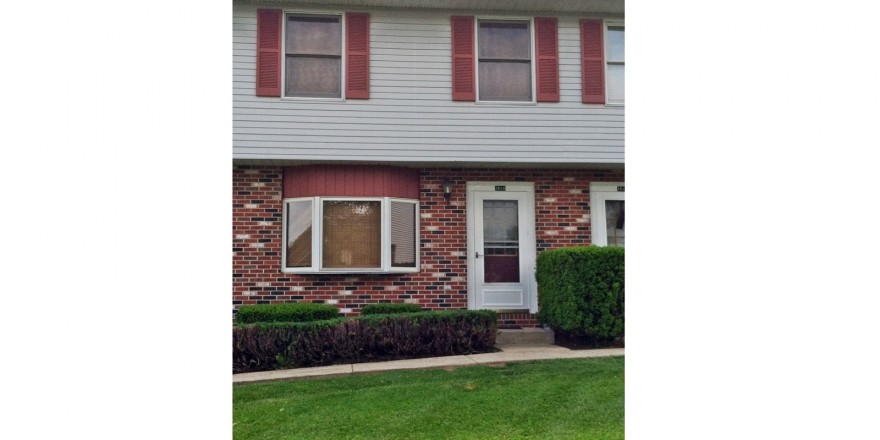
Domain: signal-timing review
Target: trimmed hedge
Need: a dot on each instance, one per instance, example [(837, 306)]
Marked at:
[(581, 291), (389, 308), (291, 312), (268, 346)]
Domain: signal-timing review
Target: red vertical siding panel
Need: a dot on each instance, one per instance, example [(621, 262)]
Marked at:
[(375, 181), (328, 184), (395, 183), (350, 181), (357, 58), (357, 181), (269, 27), (313, 178), (547, 59), (313, 183), (331, 182), (463, 71), (592, 62)]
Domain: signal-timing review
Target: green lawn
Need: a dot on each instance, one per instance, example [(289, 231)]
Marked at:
[(558, 399)]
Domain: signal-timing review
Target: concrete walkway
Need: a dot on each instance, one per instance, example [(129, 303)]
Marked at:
[(512, 353)]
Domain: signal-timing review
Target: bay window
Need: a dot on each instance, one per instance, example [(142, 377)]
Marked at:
[(350, 235)]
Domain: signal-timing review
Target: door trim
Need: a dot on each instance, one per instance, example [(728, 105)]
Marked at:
[(528, 248), (599, 193)]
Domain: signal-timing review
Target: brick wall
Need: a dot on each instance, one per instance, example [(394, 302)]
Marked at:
[(562, 218)]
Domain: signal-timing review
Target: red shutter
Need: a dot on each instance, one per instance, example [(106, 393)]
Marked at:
[(357, 55), (592, 62), (463, 59), (547, 65), (269, 52)]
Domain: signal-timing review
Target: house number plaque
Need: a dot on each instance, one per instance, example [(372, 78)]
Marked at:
[(620, 189), (502, 188)]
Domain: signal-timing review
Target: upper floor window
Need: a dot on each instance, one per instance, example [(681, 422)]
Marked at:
[(313, 56), (307, 56), (505, 60), (614, 58)]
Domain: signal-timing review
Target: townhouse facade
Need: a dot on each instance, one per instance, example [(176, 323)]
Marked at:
[(422, 152)]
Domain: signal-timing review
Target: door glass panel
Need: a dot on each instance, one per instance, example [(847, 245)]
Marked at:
[(501, 241), (614, 222)]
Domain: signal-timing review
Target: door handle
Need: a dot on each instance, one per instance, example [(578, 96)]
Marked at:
[(477, 254)]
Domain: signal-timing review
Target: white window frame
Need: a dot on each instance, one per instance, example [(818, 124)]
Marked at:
[(607, 24), (342, 54), (317, 236), (532, 72), (600, 192)]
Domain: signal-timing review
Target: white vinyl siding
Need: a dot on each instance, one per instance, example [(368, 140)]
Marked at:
[(410, 116)]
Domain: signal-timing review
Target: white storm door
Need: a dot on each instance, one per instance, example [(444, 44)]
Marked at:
[(501, 227)]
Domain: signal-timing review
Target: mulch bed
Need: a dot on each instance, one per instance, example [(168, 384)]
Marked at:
[(570, 342)]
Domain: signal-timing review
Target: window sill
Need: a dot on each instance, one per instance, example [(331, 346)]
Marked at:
[(350, 272), (304, 99), (506, 103)]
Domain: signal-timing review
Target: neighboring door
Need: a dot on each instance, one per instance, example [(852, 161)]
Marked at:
[(606, 209), (501, 246)]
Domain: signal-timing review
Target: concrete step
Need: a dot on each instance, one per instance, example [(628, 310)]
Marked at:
[(525, 336)]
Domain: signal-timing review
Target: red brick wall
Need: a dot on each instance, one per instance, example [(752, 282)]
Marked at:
[(561, 218)]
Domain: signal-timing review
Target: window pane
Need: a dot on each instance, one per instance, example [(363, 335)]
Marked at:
[(504, 40), (505, 81), (299, 234), (615, 83), (314, 35), (615, 43), (313, 77), (501, 241), (403, 234), (352, 234), (614, 222)]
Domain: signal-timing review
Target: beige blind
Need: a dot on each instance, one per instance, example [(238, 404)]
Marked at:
[(352, 234), (403, 234)]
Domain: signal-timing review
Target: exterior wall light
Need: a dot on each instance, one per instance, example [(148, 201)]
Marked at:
[(447, 190)]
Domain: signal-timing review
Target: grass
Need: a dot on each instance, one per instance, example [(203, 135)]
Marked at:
[(558, 399)]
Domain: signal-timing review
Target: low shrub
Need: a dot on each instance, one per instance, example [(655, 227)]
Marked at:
[(581, 292), (267, 346), (262, 346), (291, 312), (389, 308)]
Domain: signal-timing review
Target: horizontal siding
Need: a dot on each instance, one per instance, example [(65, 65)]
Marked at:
[(410, 115)]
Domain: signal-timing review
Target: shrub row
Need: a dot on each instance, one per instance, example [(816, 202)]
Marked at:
[(268, 346), (389, 308), (581, 291), (292, 312)]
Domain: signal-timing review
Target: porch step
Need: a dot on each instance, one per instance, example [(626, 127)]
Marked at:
[(525, 336)]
